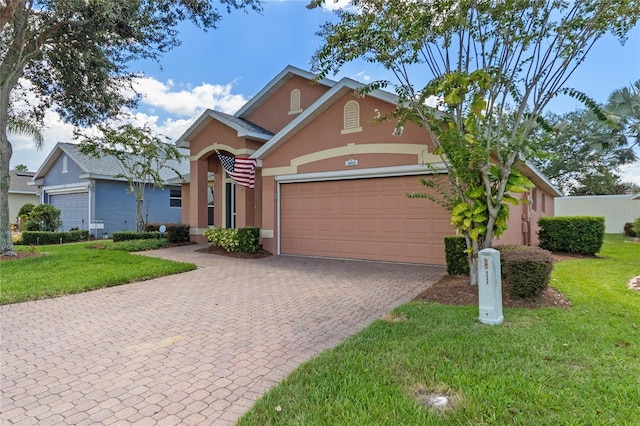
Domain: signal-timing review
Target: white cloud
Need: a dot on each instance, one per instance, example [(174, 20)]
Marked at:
[(631, 173), (173, 109), (188, 102), (331, 5), (362, 76)]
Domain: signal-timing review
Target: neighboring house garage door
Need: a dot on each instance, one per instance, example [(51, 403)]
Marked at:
[(363, 219), (74, 209)]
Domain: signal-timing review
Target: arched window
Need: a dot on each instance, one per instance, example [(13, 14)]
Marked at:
[(351, 118), (294, 107)]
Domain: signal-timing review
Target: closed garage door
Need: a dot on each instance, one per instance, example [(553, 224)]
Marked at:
[(74, 209), (363, 219)]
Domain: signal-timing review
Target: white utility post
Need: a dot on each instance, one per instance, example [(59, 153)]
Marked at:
[(490, 287)]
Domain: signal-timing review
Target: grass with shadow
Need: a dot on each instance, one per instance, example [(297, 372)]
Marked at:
[(542, 366), (75, 268)]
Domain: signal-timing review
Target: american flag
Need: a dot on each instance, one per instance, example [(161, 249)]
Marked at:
[(241, 170)]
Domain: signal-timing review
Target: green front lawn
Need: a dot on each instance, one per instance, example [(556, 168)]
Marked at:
[(74, 268), (544, 367)]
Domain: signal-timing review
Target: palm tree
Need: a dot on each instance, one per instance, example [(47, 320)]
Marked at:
[(624, 105), (21, 168)]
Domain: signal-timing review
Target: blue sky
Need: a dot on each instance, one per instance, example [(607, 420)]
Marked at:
[(223, 68)]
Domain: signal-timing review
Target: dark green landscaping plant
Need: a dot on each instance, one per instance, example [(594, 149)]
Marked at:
[(572, 234)]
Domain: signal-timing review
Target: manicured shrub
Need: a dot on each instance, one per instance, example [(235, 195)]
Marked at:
[(572, 234), (629, 230), (527, 270), (248, 239), (636, 226), (176, 232), (47, 216), (25, 209), (46, 237), (132, 235), (457, 259), (244, 240)]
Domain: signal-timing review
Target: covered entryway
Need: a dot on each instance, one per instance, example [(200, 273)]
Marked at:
[(369, 219), (74, 209)]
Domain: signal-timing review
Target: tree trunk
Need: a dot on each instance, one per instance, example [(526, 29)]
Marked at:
[(473, 268), (6, 245), (139, 218)]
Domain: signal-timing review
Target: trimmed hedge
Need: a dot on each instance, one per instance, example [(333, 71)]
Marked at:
[(45, 237), (629, 230), (636, 226), (244, 240), (572, 234), (132, 235), (457, 259), (526, 270), (176, 232)]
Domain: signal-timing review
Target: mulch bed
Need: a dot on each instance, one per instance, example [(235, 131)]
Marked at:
[(20, 255), (222, 252), (455, 290)]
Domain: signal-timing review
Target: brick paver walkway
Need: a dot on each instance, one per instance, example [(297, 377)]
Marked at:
[(195, 348)]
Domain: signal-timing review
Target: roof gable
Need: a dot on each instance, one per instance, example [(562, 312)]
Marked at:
[(106, 167), (277, 82), (243, 127), (343, 87)]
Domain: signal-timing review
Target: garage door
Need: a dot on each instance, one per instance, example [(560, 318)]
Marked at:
[(363, 219), (74, 209)]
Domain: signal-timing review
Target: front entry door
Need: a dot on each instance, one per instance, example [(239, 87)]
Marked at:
[(230, 205)]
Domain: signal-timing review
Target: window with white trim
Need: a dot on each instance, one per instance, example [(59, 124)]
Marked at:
[(351, 118), (175, 197), (294, 104)]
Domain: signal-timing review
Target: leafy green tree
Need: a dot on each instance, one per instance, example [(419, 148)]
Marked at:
[(46, 216), (73, 56), (141, 155), (582, 153), (492, 66), (25, 209)]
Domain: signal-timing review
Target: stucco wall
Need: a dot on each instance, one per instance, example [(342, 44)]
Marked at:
[(57, 176), (616, 209), (16, 201)]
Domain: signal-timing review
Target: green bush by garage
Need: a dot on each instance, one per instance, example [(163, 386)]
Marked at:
[(572, 234)]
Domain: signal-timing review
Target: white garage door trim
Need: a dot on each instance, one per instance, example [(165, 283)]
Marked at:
[(380, 172)]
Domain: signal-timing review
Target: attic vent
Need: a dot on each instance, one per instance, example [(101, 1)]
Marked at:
[(351, 118), (294, 107), (64, 164)]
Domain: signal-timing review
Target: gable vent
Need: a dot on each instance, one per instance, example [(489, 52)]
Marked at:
[(351, 117), (294, 107)]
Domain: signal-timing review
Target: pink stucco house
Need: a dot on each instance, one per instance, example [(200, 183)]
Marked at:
[(330, 180)]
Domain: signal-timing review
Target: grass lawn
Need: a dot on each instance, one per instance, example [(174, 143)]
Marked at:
[(75, 268), (578, 366)]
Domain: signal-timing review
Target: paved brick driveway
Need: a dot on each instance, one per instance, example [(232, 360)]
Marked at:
[(195, 348)]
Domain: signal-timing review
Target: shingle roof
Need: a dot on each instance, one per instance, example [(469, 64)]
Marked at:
[(103, 167), (19, 182)]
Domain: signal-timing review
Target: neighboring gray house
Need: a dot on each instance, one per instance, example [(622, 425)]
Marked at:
[(90, 197), (20, 192)]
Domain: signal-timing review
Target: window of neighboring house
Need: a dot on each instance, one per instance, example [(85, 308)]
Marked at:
[(294, 106), (64, 164), (543, 202), (175, 197), (351, 118), (534, 195)]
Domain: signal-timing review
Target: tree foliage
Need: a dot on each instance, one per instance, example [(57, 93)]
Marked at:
[(581, 155), (73, 55), (142, 156), (492, 66)]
